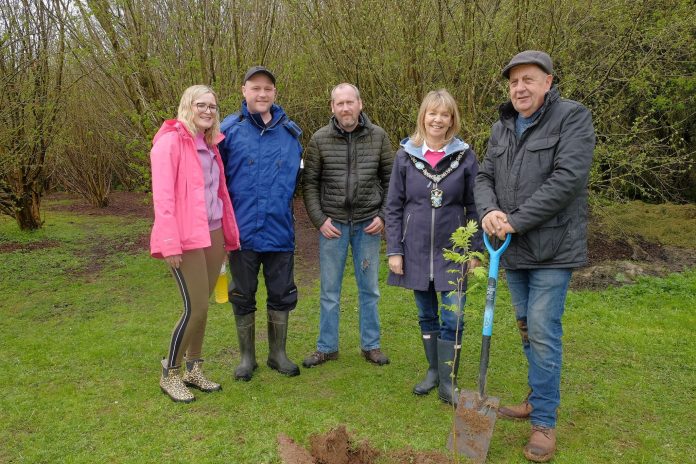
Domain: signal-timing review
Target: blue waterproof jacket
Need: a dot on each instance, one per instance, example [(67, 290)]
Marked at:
[(262, 165)]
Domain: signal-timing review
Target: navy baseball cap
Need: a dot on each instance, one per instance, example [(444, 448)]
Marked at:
[(254, 70)]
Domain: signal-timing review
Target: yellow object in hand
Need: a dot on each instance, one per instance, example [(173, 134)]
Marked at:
[(221, 287)]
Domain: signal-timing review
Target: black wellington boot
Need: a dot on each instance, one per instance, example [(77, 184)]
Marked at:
[(447, 390), (432, 377), (246, 326), (277, 335)]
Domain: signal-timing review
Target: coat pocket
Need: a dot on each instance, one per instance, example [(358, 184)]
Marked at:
[(548, 241), (370, 194), (498, 160), (408, 218), (496, 150), (542, 153)]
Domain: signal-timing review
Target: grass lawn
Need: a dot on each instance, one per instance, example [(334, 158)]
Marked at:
[(84, 323)]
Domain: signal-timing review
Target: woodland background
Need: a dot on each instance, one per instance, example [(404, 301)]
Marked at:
[(84, 84)]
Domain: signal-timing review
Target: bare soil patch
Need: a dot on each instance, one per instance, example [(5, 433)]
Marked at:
[(9, 247), (338, 447), (306, 246), (291, 452), (613, 259), (620, 260), (98, 251), (135, 204), (120, 204)]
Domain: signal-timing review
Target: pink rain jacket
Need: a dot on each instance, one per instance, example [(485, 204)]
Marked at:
[(178, 193)]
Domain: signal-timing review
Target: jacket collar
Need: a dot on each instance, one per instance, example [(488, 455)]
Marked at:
[(277, 114), (364, 125), (454, 146), (171, 125)]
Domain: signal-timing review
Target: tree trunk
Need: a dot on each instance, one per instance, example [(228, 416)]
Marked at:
[(28, 214)]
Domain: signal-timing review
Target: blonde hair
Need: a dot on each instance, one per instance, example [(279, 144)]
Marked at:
[(436, 99), (186, 113)]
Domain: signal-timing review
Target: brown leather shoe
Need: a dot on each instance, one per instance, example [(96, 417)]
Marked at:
[(319, 357), (517, 411), (376, 356), (542, 444)]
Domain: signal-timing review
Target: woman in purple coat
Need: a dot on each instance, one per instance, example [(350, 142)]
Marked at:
[(431, 194)]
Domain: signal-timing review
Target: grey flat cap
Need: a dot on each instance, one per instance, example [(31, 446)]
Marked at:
[(541, 59), (254, 70)]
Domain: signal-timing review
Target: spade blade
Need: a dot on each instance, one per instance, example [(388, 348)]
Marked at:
[(473, 425)]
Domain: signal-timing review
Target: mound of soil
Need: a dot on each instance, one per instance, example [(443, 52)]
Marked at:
[(337, 447), (619, 260)]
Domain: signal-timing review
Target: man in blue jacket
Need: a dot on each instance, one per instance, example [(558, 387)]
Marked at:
[(532, 184), (262, 154)]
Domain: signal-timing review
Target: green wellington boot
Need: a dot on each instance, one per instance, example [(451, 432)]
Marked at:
[(277, 336), (447, 390), (432, 376), (246, 333)]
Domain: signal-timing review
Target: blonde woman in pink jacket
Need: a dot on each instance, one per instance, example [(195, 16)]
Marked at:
[(194, 226)]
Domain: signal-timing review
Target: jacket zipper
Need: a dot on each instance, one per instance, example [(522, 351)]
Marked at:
[(432, 244), (349, 200), (214, 194)]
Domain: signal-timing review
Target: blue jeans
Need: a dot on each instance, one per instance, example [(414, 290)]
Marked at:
[(538, 296), (332, 259), (429, 319)]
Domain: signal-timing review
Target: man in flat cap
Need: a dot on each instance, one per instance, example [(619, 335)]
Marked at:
[(533, 184), (262, 154)]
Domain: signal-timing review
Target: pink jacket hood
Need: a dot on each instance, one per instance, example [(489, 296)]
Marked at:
[(178, 193)]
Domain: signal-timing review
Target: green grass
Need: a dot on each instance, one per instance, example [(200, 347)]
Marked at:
[(668, 224), (81, 351)]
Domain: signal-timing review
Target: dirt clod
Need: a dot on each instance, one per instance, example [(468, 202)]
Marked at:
[(336, 447), (332, 447)]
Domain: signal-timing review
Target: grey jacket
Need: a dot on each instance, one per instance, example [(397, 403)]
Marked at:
[(420, 232), (540, 182), (346, 174)]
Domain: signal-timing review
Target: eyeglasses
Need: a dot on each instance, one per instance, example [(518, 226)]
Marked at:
[(203, 107)]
